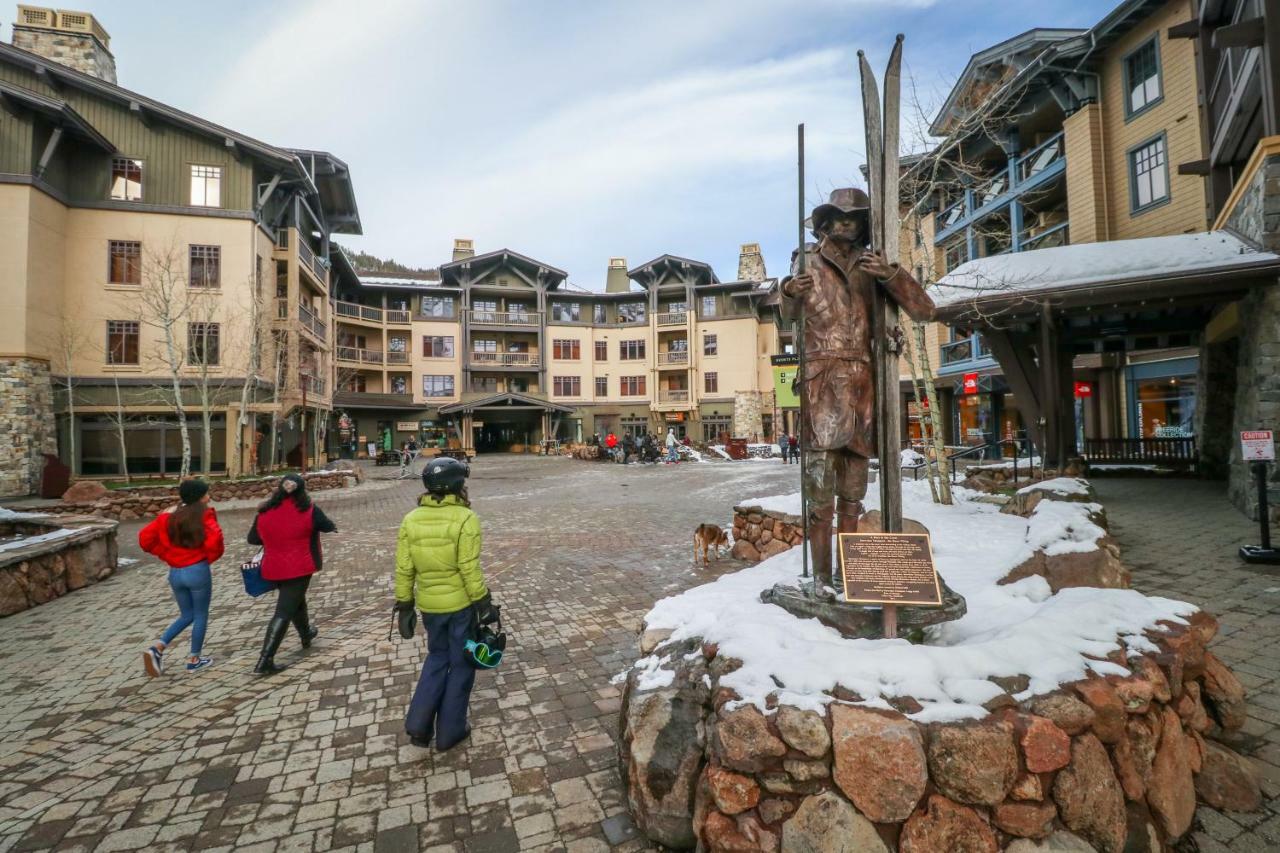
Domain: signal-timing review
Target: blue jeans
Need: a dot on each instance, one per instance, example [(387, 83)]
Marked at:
[(672, 455), (192, 588), (439, 703)]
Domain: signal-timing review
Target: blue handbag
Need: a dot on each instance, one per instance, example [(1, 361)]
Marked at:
[(251, 573)]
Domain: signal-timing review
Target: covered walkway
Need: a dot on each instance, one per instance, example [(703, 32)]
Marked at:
[(1179, 538)]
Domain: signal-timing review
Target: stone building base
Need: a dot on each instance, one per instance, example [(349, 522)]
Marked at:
[(26, 424)]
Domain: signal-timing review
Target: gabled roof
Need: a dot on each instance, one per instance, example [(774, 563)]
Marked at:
[(664, 263), (504, 256), (1014, 54), (332, 178), (498, 401), (58, 111)]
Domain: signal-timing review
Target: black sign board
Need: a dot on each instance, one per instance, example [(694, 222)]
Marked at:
[(888, 568)]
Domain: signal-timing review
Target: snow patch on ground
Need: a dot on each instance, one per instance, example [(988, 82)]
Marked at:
[(51, 536), (10, 515), (1058, 485), (1063, 527), (1019, 628)]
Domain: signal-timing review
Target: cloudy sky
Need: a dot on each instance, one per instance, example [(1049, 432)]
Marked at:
[(568, 131)]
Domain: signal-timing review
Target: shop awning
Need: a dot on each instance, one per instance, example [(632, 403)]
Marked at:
[(509, 401)]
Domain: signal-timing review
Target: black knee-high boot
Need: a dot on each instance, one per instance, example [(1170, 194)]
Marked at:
[(306, 631), (276, 629)]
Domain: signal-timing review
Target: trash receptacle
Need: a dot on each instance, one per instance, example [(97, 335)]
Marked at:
[(736, 448)]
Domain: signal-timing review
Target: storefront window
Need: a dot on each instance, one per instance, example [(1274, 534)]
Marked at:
[(973, 418), (1166, 406)]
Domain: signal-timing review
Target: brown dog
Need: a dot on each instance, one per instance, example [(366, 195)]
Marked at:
[(708, 538)]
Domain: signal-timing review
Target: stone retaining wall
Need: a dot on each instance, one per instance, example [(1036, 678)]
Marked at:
[(759, 534), (145, 501), (32, 574), (1107, 764)]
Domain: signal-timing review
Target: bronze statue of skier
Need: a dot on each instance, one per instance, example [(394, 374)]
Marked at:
[(833, 292)]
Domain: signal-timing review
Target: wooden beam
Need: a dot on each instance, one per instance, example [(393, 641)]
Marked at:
[(1195, 167), (1248, 33), (49, 149), (1046, 355), (1185, 30), (142, 114), (266, 193), (1013, 352)]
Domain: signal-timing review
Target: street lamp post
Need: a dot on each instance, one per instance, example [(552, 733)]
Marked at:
[(304, 375)]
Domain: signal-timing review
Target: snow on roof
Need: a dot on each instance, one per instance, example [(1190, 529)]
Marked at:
[(397, 281), (1085, 264)]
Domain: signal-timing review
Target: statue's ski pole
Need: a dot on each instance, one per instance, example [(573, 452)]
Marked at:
[(798, 329)]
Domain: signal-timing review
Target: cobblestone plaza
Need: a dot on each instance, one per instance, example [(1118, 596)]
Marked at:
[(95, 756)]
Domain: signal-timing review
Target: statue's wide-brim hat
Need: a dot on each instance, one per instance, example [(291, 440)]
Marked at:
[(843, 200)]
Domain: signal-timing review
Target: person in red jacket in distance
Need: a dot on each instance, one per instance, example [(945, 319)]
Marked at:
[(188, 538)]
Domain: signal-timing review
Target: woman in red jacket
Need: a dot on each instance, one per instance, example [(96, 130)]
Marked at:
[(288, 527), (189, 539)]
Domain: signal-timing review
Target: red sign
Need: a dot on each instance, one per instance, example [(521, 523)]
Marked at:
[(1258, 445), (971, 383), (1084, 389)]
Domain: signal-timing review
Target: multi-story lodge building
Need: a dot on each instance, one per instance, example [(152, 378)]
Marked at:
[(500, 352), (146, 250)]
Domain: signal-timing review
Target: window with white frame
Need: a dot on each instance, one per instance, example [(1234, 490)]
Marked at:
[(206, 266), (602, 386), (710, 346), (437, 306), (597, 314), (566, 386), (122, 342), (202, 343), (566, 312), (126, 179), (708, 306), (631, 350), (711, 382), (206, 186), (1148, 175)]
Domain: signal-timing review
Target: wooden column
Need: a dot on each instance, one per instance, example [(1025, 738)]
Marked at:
[(1013, 351)]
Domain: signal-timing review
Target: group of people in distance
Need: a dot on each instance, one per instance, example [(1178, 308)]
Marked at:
[(789, 445), (437, 572), (641, 447)]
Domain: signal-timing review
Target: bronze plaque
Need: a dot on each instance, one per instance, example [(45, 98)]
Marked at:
[(888, 568)]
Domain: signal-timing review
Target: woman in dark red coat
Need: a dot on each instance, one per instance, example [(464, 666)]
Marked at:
[(288, 527), (189, 540)]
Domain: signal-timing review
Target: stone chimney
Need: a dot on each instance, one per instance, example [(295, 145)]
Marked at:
[(73, 39), (751, 263), (616, 281), (463, 249)]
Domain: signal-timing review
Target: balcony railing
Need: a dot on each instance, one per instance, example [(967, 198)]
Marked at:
[(311, 322), (967, 349), (1041, 157), (505, 318), (314, 385), (673, 318), (358, 312), (1058, 235), (667, 395), (396, 315), (356, 354), (309, 259), (394, 357), (952, 214), (282, 309), (672, 358), (505, 359)]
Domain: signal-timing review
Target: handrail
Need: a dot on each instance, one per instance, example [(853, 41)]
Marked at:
[(1062, 229), (669, 395), (983, 448), (364, 356), (673, 357), (1030, 165), (395, 315), (506, 318), (506, 359), (672, 318)]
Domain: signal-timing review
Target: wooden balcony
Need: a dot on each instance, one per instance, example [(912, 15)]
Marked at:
[(518, 319), (668, 395), (397, 317), (394, 357), (673, 318), (673, 359), (312, 262), (504, 359), (312, 323), (356, 355)]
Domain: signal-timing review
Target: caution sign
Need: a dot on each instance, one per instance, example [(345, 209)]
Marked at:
[(1258, 445), (888, 568)]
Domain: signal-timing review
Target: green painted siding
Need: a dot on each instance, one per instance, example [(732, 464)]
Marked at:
[(167, 151), (15, 144)]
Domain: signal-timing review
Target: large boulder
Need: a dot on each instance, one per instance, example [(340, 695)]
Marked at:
[(1090, 801), (879, 761), (1025, 820), (1109, 713), (1045, 746), (1071, 489), (1100, 567), (661, 752), (975, 764), (1064, 711), (85, 492), (826, 823), (1058, 842), (943, 825), (1170, 790), (733, 793), (870, 523), (1228, 780), (803, 730), (1223, 693)]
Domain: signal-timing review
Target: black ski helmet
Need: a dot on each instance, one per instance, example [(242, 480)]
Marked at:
[(445, 475)]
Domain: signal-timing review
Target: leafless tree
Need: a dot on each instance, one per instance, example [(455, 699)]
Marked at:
[(165, 303), (118, 420), (70, 344), (250, 330)]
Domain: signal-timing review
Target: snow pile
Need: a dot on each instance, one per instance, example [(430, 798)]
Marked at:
[(1062, 527), (784, 504), (911, 458), (51, 536), (1059, 486), (1019, 628), (1082, 265), (10, 515)]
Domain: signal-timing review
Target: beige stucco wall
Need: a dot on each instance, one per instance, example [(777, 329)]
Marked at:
[(1177, 115), (736, 362), (15, 234), (435, 366), (579, 367)]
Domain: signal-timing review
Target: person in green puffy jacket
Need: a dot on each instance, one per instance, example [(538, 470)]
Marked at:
[(438, 571)]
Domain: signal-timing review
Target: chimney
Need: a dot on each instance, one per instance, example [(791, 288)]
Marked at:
[(616, 281), (463, 249), (73, 39), (751, 263)]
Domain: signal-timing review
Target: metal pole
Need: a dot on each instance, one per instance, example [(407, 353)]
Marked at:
[(1264, 512), (799, 336)]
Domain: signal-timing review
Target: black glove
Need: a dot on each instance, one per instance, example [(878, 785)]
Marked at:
[(486, 611), (406, 618)]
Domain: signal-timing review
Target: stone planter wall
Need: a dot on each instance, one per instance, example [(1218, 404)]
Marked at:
[(1118, 763), (145, 501), (759, 534), (35, 573)]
